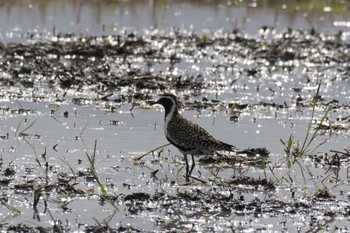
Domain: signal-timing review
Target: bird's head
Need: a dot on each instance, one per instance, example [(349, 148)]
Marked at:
[(169, 102)]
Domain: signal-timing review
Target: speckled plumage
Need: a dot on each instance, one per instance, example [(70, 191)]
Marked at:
[(192, 139), (188, 137)]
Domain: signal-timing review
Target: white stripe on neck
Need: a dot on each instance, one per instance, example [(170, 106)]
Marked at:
[(169, 116)]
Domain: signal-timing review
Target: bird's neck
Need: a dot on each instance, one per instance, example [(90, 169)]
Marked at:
[(170, 113)]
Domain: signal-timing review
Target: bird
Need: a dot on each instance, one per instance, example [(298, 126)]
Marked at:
[(190, 138)]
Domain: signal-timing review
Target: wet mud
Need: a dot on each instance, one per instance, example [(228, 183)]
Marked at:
[(211, 73)]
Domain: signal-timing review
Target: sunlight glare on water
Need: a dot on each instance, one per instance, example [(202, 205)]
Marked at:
[(246, 72)]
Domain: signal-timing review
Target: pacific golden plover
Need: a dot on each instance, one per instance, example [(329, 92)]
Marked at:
[(188, 137)]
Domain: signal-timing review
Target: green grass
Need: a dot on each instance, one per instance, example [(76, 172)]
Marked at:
[(4, 199), (299, 148), (103, 189), (23, 133)]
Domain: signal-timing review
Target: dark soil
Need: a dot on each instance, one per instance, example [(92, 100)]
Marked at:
[(110, 68), (125, 69)]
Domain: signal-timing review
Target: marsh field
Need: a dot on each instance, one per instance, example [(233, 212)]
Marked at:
[(82, 150)]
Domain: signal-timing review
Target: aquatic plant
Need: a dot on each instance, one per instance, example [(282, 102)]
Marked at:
[(4, 200), (294, 147), (23, 132), (93, 172)]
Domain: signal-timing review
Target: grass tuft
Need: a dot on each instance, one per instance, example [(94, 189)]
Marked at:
[(297, 149), (103, 189)]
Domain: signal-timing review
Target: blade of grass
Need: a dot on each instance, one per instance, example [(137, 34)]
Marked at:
[(94, 174), (151, 151), (16, 212), (19, 125), (29, 126), (315, 134), (314, 101), (82, 131)]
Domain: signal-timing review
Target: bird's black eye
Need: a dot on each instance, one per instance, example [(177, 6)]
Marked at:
[(167, 104)]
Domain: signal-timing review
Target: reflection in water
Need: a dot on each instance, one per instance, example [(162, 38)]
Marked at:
[(100, 17)]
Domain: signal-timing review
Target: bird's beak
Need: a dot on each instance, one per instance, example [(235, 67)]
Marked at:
[(153, 102)]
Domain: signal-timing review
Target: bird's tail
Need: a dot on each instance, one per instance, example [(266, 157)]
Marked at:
[(229, 147)]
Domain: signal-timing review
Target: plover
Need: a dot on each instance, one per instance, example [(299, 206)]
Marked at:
[(188, 137)]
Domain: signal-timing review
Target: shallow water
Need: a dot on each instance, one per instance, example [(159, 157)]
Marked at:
[(56, 103), (105, 17)]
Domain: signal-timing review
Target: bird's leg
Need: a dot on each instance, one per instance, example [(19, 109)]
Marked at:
[(187, 167), (192, 166)]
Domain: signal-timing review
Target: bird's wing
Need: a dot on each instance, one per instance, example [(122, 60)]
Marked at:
[(191, 135)]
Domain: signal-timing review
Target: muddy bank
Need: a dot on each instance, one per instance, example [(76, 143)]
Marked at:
[(128, 67)]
